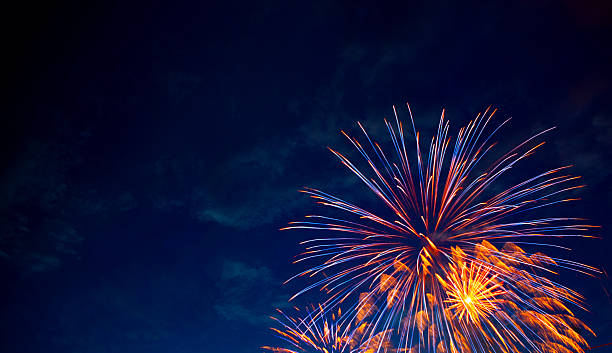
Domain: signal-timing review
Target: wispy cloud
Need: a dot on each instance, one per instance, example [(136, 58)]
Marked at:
[(247, 293)]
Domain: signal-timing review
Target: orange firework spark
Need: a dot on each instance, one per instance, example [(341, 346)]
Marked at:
[(316, 330), (434, 281), (473, 291)]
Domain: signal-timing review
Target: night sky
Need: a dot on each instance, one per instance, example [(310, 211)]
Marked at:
[(152, 151)]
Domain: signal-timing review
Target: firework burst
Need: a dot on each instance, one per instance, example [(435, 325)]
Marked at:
[(315, 330), (444, 271)]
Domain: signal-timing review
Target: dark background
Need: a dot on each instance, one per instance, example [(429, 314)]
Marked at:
[(151, 151)]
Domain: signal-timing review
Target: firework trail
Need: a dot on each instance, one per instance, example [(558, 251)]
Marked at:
[(314, 330), (443, 271)]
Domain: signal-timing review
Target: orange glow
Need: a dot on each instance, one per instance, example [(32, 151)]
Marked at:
[(442, 270)]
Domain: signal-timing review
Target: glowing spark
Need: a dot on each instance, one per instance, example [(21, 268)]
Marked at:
[(316, 330), (429, 267)]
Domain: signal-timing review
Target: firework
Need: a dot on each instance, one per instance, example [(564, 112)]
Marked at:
[(441, 266), (315, 330)]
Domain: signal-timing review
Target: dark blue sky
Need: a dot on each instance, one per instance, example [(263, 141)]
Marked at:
[(152, 151)]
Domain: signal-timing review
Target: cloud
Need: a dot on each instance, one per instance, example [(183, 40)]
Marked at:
[(247, 293)]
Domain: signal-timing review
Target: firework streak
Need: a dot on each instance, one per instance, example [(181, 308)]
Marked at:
[(316, 330), (439, 268)]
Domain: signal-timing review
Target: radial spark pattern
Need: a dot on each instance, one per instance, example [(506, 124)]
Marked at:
[(441, 267), (315, 330)]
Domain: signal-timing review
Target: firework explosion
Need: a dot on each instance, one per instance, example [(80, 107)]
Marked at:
[(443, 271), (315, 330)]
